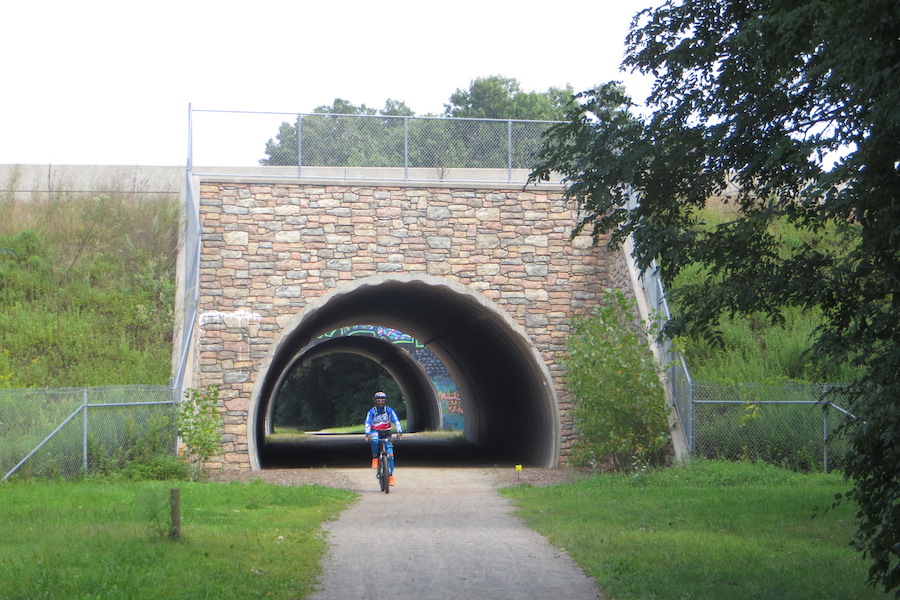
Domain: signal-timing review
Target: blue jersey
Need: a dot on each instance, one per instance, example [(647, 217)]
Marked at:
[(381, 419)]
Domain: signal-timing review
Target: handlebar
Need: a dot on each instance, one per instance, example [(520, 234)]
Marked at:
[(383, 434)]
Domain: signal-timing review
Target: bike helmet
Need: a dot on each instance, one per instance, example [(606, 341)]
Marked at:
[(380, 396)]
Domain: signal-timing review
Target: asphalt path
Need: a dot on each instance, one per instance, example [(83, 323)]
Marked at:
[(441, 533)]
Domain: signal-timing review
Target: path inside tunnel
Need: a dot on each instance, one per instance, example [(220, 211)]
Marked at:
[(352, 450)]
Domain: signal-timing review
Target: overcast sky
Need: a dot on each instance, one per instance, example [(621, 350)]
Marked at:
[(99, 82)]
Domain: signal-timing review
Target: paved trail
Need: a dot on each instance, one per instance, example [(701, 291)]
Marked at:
[(441, 534)]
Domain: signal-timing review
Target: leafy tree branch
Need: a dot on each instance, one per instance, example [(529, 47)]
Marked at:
[(796, 106)]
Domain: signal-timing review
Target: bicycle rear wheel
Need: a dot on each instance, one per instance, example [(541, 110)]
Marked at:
[(385, 470)]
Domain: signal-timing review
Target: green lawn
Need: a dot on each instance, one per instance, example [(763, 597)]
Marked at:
[(714, 531), (72, 541)]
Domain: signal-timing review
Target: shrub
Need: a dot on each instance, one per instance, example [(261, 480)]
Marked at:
[(199, 424), (619, 410)]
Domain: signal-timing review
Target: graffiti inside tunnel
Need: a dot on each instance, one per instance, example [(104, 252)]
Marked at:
[(452, 417)]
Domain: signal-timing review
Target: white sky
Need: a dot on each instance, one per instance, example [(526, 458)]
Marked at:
[(109, 82)]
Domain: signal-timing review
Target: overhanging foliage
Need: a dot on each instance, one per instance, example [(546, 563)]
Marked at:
[(796, 107)]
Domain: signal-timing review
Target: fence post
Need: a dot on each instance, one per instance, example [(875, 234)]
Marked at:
[(190, 152), (509, 151), (692, 397), (174, 396), (84, 429), (300, 145), (175, 514), (825, 408), (405, 148), (825, 436)]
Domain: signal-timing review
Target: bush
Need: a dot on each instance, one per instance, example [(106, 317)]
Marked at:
[(620, 414), (199, 424)]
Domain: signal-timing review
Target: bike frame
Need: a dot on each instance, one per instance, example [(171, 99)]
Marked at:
[(384, 469)]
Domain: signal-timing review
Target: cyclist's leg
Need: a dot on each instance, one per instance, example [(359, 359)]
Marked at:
[(390, 450), (374, 444)]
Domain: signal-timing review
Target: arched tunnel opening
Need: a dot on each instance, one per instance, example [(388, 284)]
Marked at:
[(504, 387), (409, 379)]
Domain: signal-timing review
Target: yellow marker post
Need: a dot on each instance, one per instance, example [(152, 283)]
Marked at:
[(518, 469)]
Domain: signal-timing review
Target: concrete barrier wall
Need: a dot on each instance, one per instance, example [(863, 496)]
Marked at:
[(24, 180)]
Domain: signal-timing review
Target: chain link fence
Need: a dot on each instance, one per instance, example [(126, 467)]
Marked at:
[(791, 425), (64, 432), (383, 147)]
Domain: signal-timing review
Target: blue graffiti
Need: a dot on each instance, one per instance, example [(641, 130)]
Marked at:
[(377, 331)]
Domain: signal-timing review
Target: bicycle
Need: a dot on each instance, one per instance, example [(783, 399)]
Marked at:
[(384, 462)]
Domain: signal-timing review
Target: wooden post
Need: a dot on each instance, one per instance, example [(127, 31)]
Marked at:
[(175, 514)]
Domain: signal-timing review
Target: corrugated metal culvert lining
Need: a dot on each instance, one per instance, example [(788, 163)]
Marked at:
[(504, 386)]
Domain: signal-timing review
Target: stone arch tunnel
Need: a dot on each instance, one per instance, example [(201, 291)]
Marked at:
[(505, 388), (485, 274)]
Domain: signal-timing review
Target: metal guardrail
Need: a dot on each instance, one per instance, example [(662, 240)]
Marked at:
[(188, 293), (678, 376)]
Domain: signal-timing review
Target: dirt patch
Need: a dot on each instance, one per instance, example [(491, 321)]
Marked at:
[(324, 477), (540, 477)]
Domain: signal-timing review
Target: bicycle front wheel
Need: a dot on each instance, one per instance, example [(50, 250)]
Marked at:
[(385, 469)]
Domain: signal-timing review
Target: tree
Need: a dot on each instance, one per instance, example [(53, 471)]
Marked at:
[(336, 141), (334, 390), (797, 106), (436, 143), (499, 97)]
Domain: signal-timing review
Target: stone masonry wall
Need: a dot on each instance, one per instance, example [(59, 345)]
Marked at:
[(268, 249)]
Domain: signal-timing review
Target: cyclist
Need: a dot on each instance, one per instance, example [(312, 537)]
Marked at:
[(378, 422)]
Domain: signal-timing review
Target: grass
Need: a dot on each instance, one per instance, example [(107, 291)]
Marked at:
[(109, 540), (710, 530), (88, 289)]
